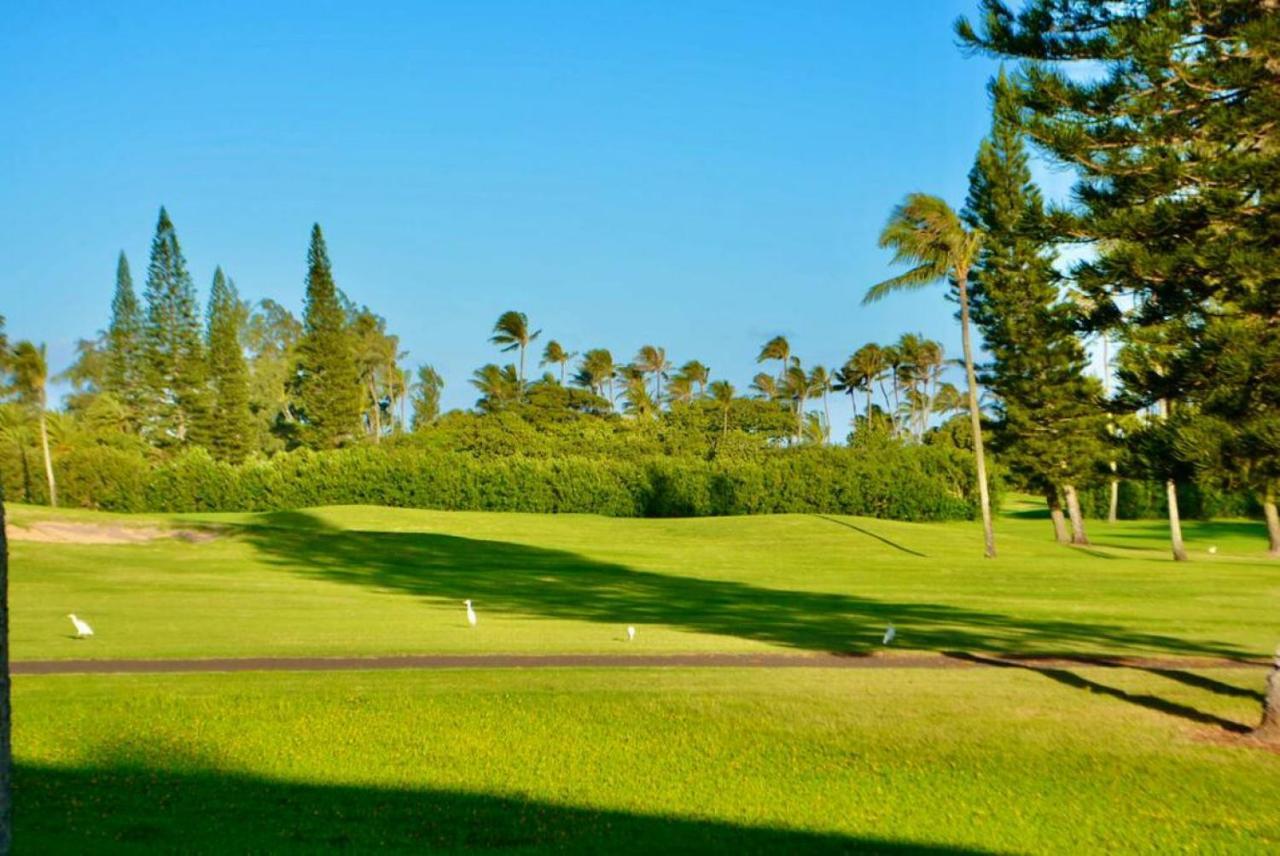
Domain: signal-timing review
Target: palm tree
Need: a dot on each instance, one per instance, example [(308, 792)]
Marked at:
[(680, 390), (925, 233), (596, 372), (498, 386), (512, 332), (722, 393), (795, 385), (846, 380), (30, 372), (652, 360), (777, 348), (820, 383), (766, 386), (555, 354), (697, 374), (870, 365)]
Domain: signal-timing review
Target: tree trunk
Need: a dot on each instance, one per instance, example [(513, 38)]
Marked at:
[(48, 461), (1113, 502), (1078, 535), (1273, 525), (1268, 730), (975, 419), (522, 371), (1055, 514), (826, 410), (1175, 521), (6, 749), (375, 423)]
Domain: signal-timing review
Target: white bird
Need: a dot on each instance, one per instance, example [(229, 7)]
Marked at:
[(631, 634), (82, 627), (471, 614), (889, 633), (1213, 550)]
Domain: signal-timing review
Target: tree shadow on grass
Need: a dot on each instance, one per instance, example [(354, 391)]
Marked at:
[(1150, 702), (175, 808), (515, 578), (883, 540)]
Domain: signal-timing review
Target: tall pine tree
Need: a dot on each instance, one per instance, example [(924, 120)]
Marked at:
[(124, 359), (327, 381), (1050, 423), (1167, 111), (231, 434), (174, 370)]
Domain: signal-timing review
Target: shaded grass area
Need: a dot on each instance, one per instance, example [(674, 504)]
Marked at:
[(898, 761), (347, 581)]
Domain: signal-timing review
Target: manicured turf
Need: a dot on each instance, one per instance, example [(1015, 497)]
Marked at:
[(1029, 758), (643, 761), (344, 581)]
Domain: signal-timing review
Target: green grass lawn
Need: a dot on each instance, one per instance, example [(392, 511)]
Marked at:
[(1018, 759), (989, 760), (381, 581)]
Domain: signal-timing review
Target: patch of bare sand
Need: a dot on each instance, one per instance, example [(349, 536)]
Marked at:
[(63, 532)]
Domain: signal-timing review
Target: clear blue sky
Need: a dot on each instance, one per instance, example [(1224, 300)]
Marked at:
[(699, 176)]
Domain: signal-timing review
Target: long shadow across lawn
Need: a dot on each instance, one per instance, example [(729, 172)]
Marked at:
[(516, 578), (127, 807)]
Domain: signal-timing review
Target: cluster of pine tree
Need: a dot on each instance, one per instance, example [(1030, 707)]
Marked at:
[(237, 379), (1166, 113)]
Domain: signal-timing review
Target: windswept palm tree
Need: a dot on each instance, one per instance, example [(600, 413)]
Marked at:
[(637, 400), (795, 386), (722, 393), (512, 332), (766, 386), (653, 360), (596, 373), (867, 368), (499, 386), (680, 390), (697, 374), (925, 233), (821, 383), (555, 354), (777, 348), (30, 372)]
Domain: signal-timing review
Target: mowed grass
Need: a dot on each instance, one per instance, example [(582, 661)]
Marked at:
[(360, 580), (645, 760), (1020, 759)]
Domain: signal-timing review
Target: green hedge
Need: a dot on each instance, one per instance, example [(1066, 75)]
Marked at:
[(1143, 500), (906, 483)]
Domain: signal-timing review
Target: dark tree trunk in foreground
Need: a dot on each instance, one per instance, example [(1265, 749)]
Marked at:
[(1055, 514), (1269, 729), (6, 751), (1273, 526), (1077, 519)]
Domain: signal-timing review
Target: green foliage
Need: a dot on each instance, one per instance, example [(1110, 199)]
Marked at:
[(230, 435), (125, 359), (326, 383), (1050, 424), (426, 397), (174, 374), (895, 481)]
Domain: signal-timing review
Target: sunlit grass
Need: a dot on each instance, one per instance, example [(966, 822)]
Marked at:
[(378, 581), (605, 761)]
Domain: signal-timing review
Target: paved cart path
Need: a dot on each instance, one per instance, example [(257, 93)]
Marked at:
[(562, 661)]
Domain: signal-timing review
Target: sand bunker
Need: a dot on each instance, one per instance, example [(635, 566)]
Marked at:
[(55, 532)]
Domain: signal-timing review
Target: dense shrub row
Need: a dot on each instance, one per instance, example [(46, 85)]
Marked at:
[(1142, 500), (901, 482)]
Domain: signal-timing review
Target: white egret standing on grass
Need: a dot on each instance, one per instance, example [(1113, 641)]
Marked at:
[(631, 634), (889, 633), (471, 614), (83, 629)]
